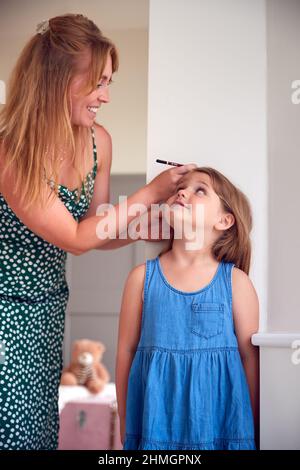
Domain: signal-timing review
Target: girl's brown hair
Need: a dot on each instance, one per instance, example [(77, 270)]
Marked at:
[(35, 123), (234, 244)]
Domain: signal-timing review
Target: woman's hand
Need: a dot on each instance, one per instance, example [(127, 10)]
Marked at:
[(164, 185)]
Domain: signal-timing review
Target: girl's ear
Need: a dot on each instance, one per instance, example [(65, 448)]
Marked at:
[(225, 222)]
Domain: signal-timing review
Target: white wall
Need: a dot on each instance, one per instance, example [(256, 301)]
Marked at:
[(283, 28), (220, 76), (207, 100), (125, 117), (280, 378)]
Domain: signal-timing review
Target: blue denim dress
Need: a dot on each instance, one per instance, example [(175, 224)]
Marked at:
[(187, 388)]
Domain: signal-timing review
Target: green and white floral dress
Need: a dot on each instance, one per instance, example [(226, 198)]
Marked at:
[(33, 299)]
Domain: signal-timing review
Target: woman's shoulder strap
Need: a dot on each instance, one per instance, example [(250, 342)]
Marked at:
[(94, 148)]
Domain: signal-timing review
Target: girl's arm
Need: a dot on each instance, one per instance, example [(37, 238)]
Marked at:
[(128, 336), (246, 322)]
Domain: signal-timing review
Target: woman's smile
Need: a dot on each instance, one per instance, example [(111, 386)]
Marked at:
[(93, 110)]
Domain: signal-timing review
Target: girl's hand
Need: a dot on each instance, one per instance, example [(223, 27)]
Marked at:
[(164, 185)]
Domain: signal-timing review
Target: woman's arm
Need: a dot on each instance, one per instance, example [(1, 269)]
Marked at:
[(102, 190), (149, 228), (245, 308), (101, 194), (128, 336), (56, 225)]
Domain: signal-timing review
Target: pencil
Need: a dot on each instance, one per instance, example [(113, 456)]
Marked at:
[(168, 163)]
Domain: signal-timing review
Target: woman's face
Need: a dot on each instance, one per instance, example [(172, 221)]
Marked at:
[(195, 191), (84, 108)]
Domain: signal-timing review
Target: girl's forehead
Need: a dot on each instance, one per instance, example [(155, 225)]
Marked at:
[(195, 177)]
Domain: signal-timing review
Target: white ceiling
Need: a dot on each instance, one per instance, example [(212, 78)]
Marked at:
[(107, 14)]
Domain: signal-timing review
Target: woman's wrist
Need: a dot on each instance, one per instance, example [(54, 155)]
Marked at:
[(151, 194)]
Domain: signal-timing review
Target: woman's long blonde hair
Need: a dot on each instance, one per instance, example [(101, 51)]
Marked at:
[(234, 244), (35, 122)]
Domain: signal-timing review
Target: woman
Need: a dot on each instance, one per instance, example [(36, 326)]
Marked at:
[(54, 172)]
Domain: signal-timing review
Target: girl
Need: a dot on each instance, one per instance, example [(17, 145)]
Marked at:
[(54, 172), (186, 371)]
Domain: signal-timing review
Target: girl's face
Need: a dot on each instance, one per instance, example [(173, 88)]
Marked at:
[(195, 189), (84, 108)]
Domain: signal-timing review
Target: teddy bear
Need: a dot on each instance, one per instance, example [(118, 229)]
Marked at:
[(85, 367)]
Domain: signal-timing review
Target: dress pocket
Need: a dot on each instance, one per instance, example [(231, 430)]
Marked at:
[(207, 319)]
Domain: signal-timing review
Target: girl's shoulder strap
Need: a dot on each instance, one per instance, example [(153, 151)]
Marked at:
[(227, 276), (228, 266), (150, 264)]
